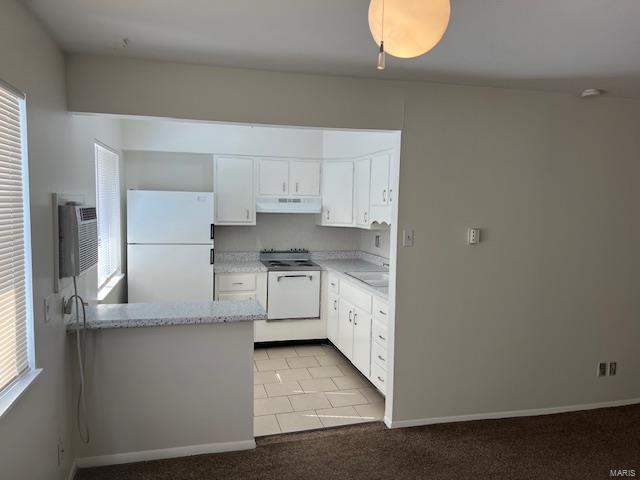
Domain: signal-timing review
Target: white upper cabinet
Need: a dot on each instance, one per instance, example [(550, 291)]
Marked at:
[(362, 174), (337, 193), (380, 179), (235, 202), (304, 177), (273, 177), (282, 177)]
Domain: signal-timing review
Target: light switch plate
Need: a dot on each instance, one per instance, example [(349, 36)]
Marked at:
[(407, 238)]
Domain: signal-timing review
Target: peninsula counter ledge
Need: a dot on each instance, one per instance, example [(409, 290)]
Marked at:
[(167, 379), (135, 315)]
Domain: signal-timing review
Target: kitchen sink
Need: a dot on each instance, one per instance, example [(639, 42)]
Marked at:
[(375, 279)]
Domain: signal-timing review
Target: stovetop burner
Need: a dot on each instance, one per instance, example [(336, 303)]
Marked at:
[(288, 260)]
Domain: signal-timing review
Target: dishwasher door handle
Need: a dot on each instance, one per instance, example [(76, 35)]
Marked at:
[(295, 276)]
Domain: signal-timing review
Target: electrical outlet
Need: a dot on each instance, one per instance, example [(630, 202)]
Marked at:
[(473, 236), (613, 367), (52, 308), (602, 369), (407, 238), (60, 451)]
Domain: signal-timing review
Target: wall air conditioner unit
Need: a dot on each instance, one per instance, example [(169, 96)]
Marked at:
[(288, 204), (78, 232)]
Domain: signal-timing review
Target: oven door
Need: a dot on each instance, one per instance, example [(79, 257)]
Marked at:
[(293, 295)]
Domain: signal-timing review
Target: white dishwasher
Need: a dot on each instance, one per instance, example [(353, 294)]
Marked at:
[(293, 294)]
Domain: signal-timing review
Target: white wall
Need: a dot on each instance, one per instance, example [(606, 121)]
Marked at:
[(169, 387), (59, 161), (368, 242), (519, 321), (353, 143), (200, 137), (284, 231)]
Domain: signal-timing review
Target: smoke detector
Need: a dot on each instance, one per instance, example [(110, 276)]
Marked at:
[(591, 92)]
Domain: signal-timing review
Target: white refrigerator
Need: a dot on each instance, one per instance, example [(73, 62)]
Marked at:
[(169, 246)]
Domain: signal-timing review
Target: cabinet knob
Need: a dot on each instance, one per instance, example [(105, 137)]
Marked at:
[(384, 195), (380, 378), (248, 214), (381, 337), (350, 314), (284, 187), (380, 357), (335, 305), (355, 315), (297, 185), (328, 214)]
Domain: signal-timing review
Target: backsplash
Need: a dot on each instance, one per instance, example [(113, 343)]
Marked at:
[(282, 231)]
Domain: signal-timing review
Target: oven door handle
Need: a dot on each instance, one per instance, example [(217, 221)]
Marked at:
[(280, 277)]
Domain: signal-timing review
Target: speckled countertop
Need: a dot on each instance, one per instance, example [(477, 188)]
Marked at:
[(131, 315), (238, 266), (342, 266)]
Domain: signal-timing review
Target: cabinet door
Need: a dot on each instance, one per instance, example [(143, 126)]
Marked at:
[(362, 341), (362, 175), (332, 318), (234, 194), (273, 177), (345, 328), (337, 193), (304, 177), (380, 168)]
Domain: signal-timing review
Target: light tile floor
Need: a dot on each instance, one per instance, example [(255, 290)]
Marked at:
[(309, 387)]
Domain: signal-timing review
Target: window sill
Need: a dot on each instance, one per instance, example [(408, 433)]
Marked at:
[(9, 398), (109, 286)]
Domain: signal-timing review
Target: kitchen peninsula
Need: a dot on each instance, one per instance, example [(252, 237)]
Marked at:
[(168, 379)]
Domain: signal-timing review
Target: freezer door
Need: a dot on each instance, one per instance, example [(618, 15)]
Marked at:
[(169, 273), (169, 217)]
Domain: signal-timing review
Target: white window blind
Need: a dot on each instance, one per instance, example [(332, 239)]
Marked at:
[(108, 206), (15, 264)]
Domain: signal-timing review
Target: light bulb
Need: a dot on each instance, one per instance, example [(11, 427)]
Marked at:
[(381, 59)]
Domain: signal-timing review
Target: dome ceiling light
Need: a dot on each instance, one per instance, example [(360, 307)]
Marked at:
[(407, 28)]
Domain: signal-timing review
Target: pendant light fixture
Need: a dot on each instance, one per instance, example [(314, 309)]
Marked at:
[(407, 28)]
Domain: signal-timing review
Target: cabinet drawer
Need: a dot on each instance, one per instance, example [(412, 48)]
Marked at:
[(236, 282), (379, 334), (333, 283), (237, 296), (380, 310), (379, 355), (379, 377), (357, 297)]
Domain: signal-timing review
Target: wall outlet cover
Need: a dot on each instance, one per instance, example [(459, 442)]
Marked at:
[(602, 369), (613, 368), (473, 236)]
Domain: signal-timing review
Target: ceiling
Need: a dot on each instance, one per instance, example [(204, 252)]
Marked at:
[(556, 45)]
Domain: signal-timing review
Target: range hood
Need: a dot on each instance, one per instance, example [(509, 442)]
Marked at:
[(288, 204)]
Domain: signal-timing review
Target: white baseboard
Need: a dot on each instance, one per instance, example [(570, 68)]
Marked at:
[(146, 455), (72, 471), (508, 414)]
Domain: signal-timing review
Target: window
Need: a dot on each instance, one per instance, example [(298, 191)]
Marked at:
[(16, 315), (108, 206)]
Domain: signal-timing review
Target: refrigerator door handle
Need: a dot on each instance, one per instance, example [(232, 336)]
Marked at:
[(211, 256), (211, 232)]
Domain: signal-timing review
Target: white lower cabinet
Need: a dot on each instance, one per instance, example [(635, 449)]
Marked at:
[(332, 317), (241, 286), (362, 341), (357, 325), (345, 328)]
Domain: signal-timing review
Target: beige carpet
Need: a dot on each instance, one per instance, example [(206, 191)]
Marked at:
[(583, 445)]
